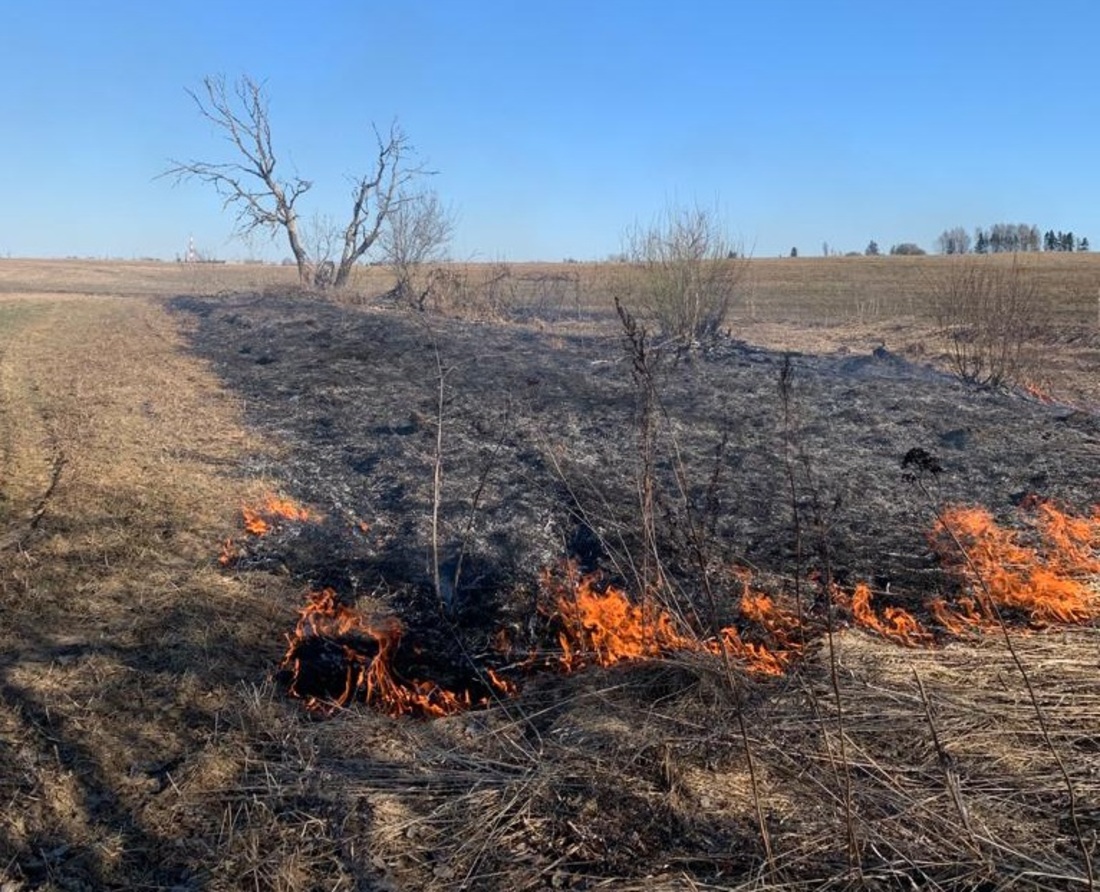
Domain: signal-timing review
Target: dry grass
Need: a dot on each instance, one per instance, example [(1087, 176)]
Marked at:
[(145, 278), (122, 647), (141, 747)]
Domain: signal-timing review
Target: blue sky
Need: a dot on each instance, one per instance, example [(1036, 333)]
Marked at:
[(557, 125)]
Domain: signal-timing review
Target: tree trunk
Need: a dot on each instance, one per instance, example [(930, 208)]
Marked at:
[(343, 273), (301, 257)]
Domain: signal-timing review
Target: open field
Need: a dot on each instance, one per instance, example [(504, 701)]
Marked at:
[(146, 742)]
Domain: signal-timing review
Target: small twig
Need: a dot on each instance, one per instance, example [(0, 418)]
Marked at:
[(834, 678), (437, 478), (786, 375), (634, 337), (761, 824), (794, 446), (475, 503), (16, 538)]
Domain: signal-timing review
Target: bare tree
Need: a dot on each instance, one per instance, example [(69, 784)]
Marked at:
[(322, 236), (954, 241), (267, 202), (418, 230)]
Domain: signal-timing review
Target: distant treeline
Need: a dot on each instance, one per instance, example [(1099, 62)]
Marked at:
[(1001, 238)]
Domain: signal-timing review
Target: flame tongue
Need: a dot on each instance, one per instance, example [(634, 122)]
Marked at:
[(1045, 571), (893, 622)]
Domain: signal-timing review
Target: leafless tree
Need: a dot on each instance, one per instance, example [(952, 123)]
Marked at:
[(268, 202), (417, 232), (954, 241)]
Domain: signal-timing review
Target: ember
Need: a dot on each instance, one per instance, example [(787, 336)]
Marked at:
[(259, 520)]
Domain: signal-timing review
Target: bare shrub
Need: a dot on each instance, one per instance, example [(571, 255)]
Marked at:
[(686, 273), (485, 292), (418, 231), (991, 317)]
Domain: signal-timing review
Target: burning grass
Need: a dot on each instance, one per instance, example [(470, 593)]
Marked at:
[(271, 513), (600, 625), (1043, 571), (336, 656)]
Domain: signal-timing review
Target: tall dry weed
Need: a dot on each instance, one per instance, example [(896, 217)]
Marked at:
[(991, 316)]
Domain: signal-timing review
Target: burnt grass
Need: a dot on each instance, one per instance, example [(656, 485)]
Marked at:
[(540, 455), (540, 463)]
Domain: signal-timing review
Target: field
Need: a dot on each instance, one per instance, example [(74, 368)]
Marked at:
[(189, 450)]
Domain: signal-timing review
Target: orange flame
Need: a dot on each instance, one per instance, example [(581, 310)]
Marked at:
[(356, 660), (1036, 392), (228, 553), (758, 658), (960, 620), (763, 618), (605, 628), (1046, 571), (893, 623), (261, 520)]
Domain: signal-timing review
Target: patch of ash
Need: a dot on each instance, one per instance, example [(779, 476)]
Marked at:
[(540, 449)]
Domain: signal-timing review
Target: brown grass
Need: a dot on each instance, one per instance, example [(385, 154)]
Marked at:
[(122, 648), (140, 745)]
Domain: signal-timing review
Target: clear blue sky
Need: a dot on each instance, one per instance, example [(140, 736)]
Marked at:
[(556, 125)]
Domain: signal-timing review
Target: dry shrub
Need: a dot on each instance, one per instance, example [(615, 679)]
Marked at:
[(485, 292), (991, 317), (686, 274)]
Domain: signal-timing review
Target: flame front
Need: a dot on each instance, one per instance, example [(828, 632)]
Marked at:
[(604, 627), (1042, 570), (1047, 571)]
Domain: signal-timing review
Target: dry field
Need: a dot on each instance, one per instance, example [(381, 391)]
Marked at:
[(147, 741)]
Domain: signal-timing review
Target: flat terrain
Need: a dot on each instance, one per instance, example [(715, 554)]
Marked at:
[(147, 741)]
